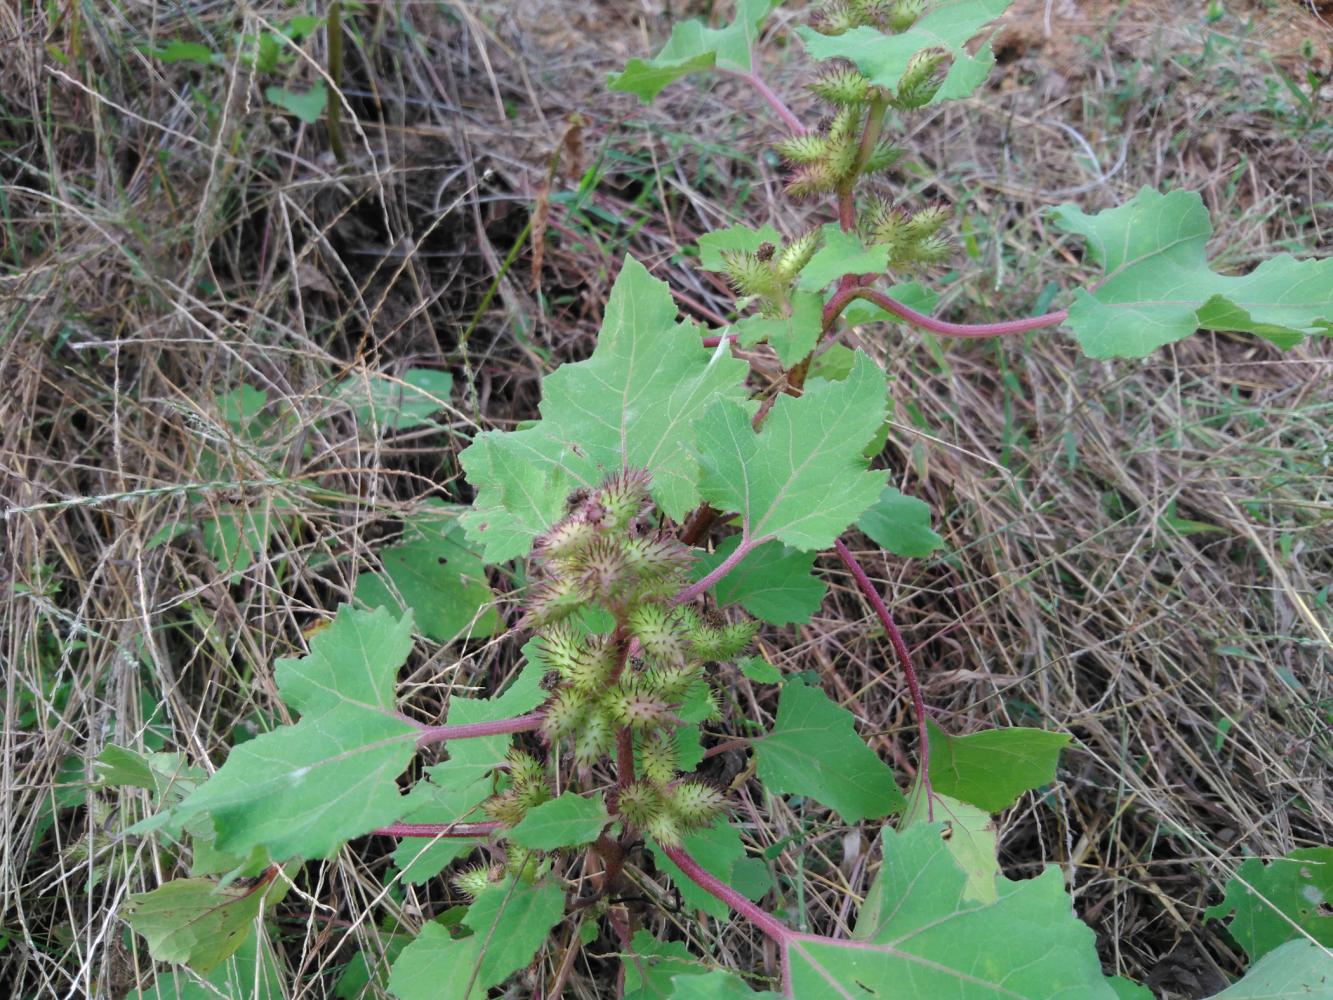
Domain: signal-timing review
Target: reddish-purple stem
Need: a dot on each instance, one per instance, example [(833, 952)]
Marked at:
[(438, 829), (476, 730), (767, 923), (774, 101), (904, 657), (742, 550), (846, 295)]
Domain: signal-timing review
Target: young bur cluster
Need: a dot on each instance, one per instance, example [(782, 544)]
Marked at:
[(631, 683)]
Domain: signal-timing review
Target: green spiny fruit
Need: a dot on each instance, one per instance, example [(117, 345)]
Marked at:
[(508, 807), (842, 86), (658, 633), (471, 882), (624, 497), (870, 11), (658, 759), (523, 865), (748, 274), (594, 665), (565, 540), (886, 224), (844, 127), (884, 156), (695, 804), (926, 222), (552, 602), (921, 79), (655, 557), (808, 147), (632, 703), (560, 648), (602, 571), (594, 739), (842, 158), (564, 714), (525, 770), (834, 19), (905, 13), (640, 802), (932, 250), (795, 255), (812, 180), (664, 828)]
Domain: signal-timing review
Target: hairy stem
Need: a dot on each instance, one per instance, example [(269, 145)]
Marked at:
[(438, 829), (846, 295), (767, 923), (770, 96), (904, 657), (476, 730), (726, 566)]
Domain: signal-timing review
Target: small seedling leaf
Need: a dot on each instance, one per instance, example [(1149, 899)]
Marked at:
[(900, 524), (1282, 900)]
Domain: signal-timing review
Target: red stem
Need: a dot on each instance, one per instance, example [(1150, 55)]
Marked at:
[(845, 295), (726, 566), (472, 830), (476, 730), (774, 101), (904, 657), (767, 923)]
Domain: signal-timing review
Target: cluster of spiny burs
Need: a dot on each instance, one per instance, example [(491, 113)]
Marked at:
[(830, 158), (611, 553)]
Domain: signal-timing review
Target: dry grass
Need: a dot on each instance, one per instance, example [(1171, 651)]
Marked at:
[(1138, 553)]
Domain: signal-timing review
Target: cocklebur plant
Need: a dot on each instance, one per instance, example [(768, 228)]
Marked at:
[(654, 496)]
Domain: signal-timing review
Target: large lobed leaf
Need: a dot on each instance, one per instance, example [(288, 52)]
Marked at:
[(813, 750), (631, 405), (694, 47), (302, 790), (432, 571), (802, 479), (1159, 287), (1297, 970), (923, 932), (1286, 899), (883, 58), (509, 922)]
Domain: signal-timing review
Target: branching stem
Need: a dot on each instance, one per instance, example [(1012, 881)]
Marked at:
[(470, 830), (742, 550), (767, 923), (476, 730), (904, 657)]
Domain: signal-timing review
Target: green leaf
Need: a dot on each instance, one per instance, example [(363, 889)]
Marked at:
[(396, 404), (792, 337), (813, 750), (759, 670), (569, 820), (773, 582), (1296, 969), (177, 51), (802, 479), (456, 787), (883, 58), (842, 253), (1127, 989), (196, 922), (509, 921), (1286, 899), (744, 238), (235, 537), (992, 768), (252, 973), (918, 935), (694, 47), (718, 849), (652, 966), (303, 790), (631, 405), (900, 524), (435, 574), (1159, 288), (969, 837), (306, 105)]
